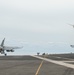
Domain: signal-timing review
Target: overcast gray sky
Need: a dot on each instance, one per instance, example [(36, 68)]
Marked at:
[(38, 25)]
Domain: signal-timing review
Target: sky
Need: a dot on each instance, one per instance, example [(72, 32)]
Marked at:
[(37, 25)]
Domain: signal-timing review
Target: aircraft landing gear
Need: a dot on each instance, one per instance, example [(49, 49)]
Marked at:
[(5, 54)]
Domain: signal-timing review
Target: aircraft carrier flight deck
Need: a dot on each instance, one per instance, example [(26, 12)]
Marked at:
[(29, 65)]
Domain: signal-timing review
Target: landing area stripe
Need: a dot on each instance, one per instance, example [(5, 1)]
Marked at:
[(55, 62)]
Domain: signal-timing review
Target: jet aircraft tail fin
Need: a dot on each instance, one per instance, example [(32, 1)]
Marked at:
[(2, 44)]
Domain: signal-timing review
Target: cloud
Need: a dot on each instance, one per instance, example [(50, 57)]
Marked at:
[(25, 4)]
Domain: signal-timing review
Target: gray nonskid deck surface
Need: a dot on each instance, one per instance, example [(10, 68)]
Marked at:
[(18, 65), (17, 58), (53, 69), (61, 57), (28, 65)]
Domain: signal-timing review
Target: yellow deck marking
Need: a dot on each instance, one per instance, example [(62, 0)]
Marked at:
[(39, 68)]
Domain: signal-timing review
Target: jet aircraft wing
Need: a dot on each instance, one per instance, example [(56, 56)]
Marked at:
[(9, 48)]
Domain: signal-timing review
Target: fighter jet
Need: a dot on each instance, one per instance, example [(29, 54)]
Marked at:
[(72, 46), (6, 48), (71, 25)]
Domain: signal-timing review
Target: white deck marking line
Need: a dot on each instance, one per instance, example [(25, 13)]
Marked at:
[(55, 62), (68, 61), (64, 58)]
